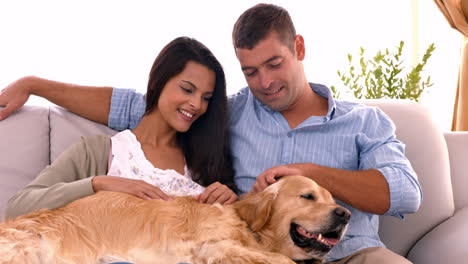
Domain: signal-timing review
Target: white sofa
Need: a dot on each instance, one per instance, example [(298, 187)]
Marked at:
[(33, 137)]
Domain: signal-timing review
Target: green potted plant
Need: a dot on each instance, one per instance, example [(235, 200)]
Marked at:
[(382, 76)]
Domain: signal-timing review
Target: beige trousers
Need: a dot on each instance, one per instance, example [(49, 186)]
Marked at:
[(373, 255)]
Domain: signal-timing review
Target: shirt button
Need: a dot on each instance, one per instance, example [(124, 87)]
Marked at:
[(289, 134)]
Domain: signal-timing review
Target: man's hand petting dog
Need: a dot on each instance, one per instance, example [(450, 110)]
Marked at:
[(270, 176)]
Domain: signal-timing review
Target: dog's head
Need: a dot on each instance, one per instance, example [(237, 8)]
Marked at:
[(295, 217)]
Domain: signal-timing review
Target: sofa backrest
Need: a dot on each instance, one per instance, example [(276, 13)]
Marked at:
[(427, 151), (24, 149), (67, 128)]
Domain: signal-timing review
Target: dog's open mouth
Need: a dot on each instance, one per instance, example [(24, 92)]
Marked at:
[(323, 242)]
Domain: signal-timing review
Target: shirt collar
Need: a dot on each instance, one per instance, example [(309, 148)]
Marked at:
[(319, 89)]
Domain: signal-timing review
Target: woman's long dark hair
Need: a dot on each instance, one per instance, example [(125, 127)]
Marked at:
[(206, 143)]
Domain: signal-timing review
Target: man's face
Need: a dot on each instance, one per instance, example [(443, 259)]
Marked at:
[(274, 74)]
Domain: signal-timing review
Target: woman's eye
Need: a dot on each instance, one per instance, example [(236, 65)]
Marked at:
[(275, 65), (187, 90)]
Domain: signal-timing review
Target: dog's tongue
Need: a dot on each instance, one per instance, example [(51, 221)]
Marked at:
[(331, 241)]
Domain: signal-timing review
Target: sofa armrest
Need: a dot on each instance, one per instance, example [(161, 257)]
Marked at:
[(426, 148), (457, 143), (444, 244)]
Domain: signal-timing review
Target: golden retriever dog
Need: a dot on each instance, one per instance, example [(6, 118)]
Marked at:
[(293, 219)]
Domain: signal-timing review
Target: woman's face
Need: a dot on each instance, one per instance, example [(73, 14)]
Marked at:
[(186, 96)]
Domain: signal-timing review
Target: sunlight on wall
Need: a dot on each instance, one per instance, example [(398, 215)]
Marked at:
[(114, 43)]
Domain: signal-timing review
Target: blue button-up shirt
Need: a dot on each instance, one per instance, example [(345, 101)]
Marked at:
[(351, 137)]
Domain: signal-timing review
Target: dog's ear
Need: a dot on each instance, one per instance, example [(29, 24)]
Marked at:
[(255, 208)]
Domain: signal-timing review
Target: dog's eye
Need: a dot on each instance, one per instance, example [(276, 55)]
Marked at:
[(308, 196)]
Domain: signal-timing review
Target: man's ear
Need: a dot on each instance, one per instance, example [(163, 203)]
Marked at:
[(255, 208), (300, 47)]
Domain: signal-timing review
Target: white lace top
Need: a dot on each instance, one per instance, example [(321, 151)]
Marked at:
[(129, 161)]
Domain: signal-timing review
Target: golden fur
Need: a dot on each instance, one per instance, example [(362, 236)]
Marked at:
[(112, 226)]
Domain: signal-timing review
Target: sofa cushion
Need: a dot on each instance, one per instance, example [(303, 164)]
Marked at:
[(428, 153), (24, 149), (445, 244), (66, 128)]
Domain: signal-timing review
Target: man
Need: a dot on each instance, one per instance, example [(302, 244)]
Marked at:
[(282, 125)]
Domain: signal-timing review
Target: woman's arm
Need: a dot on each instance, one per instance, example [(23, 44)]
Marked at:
[(67, 179)]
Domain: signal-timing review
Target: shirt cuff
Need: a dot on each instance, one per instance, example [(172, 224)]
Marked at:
[(395, 182), (119, 113)]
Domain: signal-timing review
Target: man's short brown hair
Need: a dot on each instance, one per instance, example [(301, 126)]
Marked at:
[(258, 21)]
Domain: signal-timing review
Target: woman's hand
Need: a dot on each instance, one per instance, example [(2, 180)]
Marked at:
[(137, 188), (217, 192)]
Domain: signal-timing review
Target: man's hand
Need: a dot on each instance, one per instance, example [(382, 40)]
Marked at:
[(14, 96), (217, 192), (90, 102), (270, 176), (351, 187), (137, 188)]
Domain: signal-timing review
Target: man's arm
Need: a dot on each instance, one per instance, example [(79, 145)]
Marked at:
[(90, 102), (366, 190), (383, 183)]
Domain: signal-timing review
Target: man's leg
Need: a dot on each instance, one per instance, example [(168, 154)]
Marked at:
[(373, 255)]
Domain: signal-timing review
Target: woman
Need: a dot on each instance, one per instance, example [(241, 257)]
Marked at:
[(179, 147)]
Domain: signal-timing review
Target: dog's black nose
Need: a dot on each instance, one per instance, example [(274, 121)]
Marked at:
[(342, 213)]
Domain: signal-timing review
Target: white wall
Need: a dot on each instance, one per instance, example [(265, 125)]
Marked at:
[(115, 42)]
